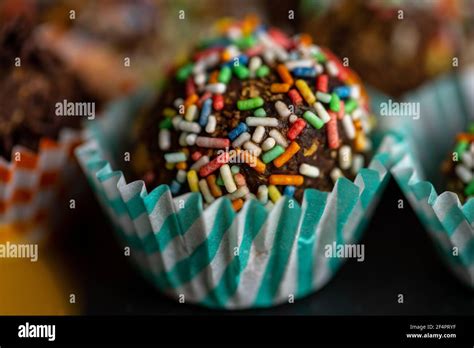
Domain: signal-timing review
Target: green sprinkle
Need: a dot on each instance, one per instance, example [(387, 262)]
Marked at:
[(219, 181), (320, 57), (166, 123), (272, 154), (350, 106), (334, 104), (245, 42), (249, 104), (323, 97), (225, 75), (461, 147), (263, 71), (184, 72), (260, 112), (471, 128), (235, 169), (313, 120), (469, 191), (241, 71)]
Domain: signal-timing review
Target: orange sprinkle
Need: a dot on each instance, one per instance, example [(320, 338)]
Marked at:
[(285, 74), (360, 141), (290, 151), (306, 39), (281, 179), (181, 165), (215, 189), (252, 161), (465, 137), (213, 77), (192, 99), (225, 56), (279, 87), (238, 204)]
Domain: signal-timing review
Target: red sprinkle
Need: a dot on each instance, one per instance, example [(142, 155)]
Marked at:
[(218, 102), (254, 51), (322, 83), (215, 164), (202, 54), (190, 88), (295, 97), (280, 38), (203, 98), (296, 129), (332, 132), (196, 155)]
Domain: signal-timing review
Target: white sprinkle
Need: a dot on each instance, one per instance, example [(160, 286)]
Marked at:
[(164, 139), (269, 56), (302, 63), (331, 68), (191, 139), (242, 138), (200, 162), (175, 121), (216, 88), (336, 174), (261, 121), (191, 113), (262, 194), (258, 134), (282, 109), (178, 102), (281, 53), (191, 127), (355, 92), (348, 126), (228, 179), (204, 187), (200, 79), (181, 176), (463, 173), (357, 114), (211, 124), (252, 148), (345, 157), (268, 144), (239, 193), (319, 69), (357, 163), (292, 118), (468, 159), (254, 64), (309, 170), (321, 112), (279, 138)]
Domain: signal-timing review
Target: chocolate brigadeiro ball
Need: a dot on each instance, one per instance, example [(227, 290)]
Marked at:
[(32, 82), (255, 113), (459, 167)]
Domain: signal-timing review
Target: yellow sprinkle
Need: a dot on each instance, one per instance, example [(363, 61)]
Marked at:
[(169, 112), (193, 181), (311, 150), (305, 91), (273, 193), (169, 165)]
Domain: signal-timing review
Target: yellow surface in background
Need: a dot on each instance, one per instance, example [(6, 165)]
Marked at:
[(35, 288)]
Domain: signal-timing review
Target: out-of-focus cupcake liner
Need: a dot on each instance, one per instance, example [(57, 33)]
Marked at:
[(29, 186), (446, 106), (219, 258)]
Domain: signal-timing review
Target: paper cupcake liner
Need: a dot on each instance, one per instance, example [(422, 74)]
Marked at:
[(214, 256), (447, 105), (30, 183)]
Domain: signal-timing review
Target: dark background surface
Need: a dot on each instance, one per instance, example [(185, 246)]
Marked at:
[(399, 259)]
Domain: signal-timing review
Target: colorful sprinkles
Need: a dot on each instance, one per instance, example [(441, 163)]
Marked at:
[(262, 140)]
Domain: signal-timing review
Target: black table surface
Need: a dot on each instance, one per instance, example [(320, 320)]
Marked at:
[(399, 259)]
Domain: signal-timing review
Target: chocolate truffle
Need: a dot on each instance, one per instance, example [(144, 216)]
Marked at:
[(459, 167), (255, 113), (33, 81)]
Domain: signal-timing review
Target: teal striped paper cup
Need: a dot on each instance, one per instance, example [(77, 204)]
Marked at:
[(214, 256), (446, 107)]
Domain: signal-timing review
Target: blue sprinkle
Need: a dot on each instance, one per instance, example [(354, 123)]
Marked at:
[(242, 59), (205, 112), (175, 187), (342, 92), (289, 191), (234, 133), (304, 72)]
